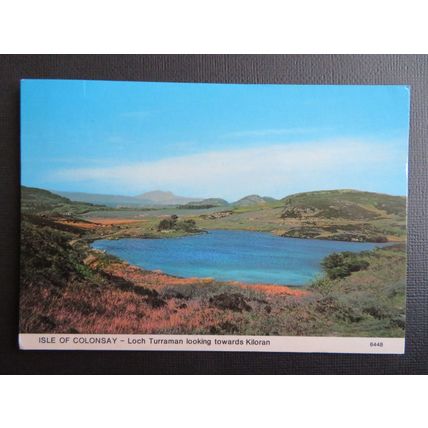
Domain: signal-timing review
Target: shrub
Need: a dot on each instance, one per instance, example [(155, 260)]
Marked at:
[(187, 225), (172, 223), (340, 265), (168, 223)]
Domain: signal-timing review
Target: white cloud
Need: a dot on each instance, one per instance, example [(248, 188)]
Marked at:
[(274, 170)]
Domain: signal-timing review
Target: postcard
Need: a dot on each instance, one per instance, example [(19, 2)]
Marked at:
[(213, 217)]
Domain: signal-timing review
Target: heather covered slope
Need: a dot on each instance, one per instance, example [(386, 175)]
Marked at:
[(344, 204), (346, 215), (68, 287)]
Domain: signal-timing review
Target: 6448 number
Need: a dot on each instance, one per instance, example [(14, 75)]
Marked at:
[(376, 344)]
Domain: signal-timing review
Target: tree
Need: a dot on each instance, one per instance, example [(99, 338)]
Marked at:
[(187, 225), (168, 223)]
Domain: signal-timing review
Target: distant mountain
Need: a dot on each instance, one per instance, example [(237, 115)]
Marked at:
[(148, 199), (159, 197), (207, 203), (253, 200), (113, 201)]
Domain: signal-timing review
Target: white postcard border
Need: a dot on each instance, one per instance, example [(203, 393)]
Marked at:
[(156, 342)]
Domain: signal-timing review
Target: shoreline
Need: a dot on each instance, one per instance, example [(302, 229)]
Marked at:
[(276, 289), (104, 294), (136, 274), (289, 289), (179, 234)]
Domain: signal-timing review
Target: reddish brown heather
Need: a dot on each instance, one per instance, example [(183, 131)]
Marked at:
[(159, 280), (130, 300)]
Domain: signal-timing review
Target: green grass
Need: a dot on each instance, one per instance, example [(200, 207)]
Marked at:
[(61, 291), (43, 202), (370, 301), (339, 215), (346, 202)]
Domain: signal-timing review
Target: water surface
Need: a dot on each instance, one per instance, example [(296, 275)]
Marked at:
[(253, 257)]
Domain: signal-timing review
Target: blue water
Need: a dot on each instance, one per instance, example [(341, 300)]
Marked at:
[(252, 257)]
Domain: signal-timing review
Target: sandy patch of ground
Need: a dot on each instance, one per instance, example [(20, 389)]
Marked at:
[(114, 221)]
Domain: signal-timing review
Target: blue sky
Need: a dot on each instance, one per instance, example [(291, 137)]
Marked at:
[(212, 140)]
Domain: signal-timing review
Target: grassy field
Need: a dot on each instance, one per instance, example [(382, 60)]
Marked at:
[(68, 287), (338, 215), (143, 213)]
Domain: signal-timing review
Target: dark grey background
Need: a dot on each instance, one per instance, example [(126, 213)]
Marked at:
[(298, 69)]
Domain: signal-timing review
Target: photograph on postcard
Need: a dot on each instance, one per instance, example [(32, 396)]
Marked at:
[(198, 216)]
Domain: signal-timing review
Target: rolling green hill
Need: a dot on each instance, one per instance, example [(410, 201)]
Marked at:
[(345, 215), (207, 203), (253, 200), (67, 287), (345, 204), (40, 201)]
